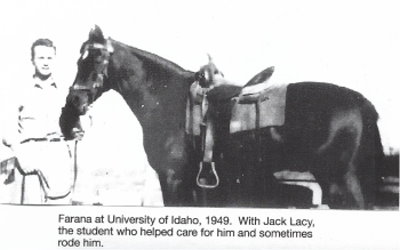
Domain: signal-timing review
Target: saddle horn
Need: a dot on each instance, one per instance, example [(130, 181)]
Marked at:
[(210, 60)]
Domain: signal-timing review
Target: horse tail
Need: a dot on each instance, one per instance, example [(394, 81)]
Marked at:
[(371, 153)]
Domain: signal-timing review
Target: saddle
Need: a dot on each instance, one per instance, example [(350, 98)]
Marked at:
[(256, 105)]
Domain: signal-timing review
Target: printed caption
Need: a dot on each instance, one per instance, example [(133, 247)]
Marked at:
[(93, 231)]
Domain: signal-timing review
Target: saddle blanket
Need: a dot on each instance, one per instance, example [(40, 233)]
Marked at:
[(271, 101), (272, 104)]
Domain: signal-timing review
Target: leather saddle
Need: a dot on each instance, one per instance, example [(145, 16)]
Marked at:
[(248, 93), (255, 105)]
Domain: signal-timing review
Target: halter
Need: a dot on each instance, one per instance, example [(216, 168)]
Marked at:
[(101, 69)]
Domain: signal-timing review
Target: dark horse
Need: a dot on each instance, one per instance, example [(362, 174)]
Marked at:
[(329, 130)]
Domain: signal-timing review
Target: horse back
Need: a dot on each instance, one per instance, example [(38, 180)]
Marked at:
[(311, 106)]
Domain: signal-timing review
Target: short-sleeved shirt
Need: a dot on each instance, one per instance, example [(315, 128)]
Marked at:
[(40, 109)]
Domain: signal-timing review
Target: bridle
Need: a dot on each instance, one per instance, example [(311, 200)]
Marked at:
[(101, 69)]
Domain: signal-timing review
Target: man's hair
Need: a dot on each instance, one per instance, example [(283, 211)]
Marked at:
[(41, 42)]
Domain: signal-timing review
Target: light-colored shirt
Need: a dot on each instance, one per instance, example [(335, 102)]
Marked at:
[(40, 109)]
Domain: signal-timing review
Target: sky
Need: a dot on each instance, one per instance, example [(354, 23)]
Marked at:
[(349, 43)]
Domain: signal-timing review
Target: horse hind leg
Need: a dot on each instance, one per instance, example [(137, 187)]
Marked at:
[(354, 187), (343, 144)]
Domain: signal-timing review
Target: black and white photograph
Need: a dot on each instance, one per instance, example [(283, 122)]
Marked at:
[(235, 109)]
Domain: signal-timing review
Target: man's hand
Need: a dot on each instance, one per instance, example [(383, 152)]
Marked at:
[(78, 133)]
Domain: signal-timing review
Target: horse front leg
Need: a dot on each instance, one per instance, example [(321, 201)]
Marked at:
[(170, 187)]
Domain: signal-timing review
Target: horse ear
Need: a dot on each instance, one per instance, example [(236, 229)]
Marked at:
[(96, 35)]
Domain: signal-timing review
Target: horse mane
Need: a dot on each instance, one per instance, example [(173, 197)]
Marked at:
[(156, 60)]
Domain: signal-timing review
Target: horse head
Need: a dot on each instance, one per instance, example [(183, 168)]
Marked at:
[(90, 81)]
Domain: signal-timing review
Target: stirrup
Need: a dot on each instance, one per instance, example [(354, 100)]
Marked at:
[(214, 173)]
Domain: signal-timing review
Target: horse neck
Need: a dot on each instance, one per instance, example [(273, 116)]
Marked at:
[(154, 88)]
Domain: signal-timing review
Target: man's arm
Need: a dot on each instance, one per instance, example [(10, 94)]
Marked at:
[(12, 126)]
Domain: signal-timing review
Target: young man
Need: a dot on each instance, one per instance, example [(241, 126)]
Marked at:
[(43, 155)]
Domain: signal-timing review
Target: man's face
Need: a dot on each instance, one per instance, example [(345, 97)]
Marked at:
[(43, 59)]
